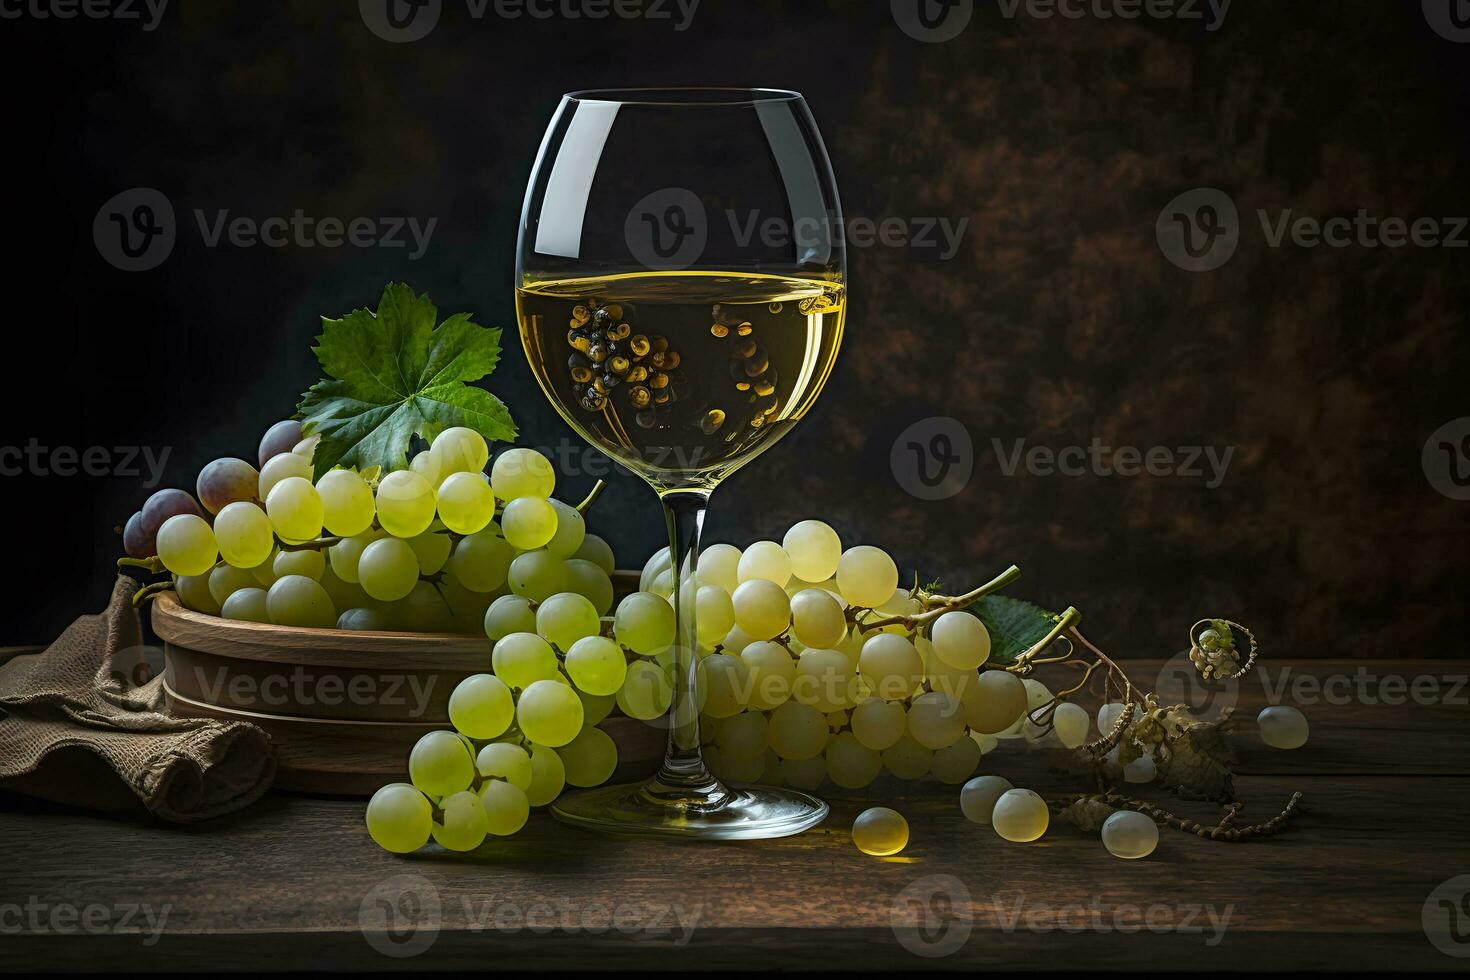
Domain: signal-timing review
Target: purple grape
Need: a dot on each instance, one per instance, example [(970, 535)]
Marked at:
[(135, 542), (225, 481), (160, 507), (279, 438)]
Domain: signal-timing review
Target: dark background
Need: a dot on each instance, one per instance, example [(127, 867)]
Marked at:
[(1059, 320)]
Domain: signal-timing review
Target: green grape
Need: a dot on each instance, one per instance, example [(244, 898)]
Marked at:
[(565, 618), (880, 831), (879, 724), (960, 640), (306, 562), (466, 502), (1020, 816), (345, 595), (538, 575), (977, 798), (907, 759), (1108, 715), (797, 731), (481, 706), (528, 523), (587, 578), (265, 572), (371, 618), (226, 580), (345, 554), (657, 563), (571, 530), (725, 681), (646, 692), (295, 509), (936, 720), (590, 758), (295, 600), (804, 774), (824, 680), (549, 713), (399, 818), (892, 666), (244, 534), (714, 613), (762, 608), (957, 682), (522, 473), (193, 592), (1071, 722), (481, 560), (406, 504), (461, 450), (850, 763), (431, 548), (995, 703), (736, 641), (1283, 727), (719, 565), (866, 576), (1130, 835), (597, 551), (644, 623), (502, 760), (817, 619), (186, 545), (347, 503), (956, 762), (522, 659), (426, 464), (388, 569), (596, 665), (734, 769), (247, 606), (743, 735), (506, 807), (509, 614), (462, 823), (771, 674), (441, 764), (307, 447), (815, 550), (765, 560), (595, 707), (280, 467), (548, 776)]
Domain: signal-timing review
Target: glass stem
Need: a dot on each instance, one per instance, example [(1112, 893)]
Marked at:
[(683, 769)]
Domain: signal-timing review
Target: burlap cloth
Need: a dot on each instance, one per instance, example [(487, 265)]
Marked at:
[(74, 730)]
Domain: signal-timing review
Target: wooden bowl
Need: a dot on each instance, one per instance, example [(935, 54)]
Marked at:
[(343, 708)]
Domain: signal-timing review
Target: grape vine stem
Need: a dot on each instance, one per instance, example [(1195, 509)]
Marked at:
[(937, 605)]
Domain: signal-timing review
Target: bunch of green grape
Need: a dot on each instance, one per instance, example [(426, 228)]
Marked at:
[(426, 548)]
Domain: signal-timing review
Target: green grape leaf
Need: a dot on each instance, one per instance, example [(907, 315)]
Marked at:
[(1015, 626), (392, 374)]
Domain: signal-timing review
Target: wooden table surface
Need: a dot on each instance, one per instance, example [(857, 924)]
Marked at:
[(294, 882)]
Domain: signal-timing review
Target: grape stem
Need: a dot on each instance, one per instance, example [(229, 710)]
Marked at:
[(592, 496), (937, 605), (152, 565)]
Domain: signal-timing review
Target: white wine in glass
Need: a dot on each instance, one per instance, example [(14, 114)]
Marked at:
[(681, 295)]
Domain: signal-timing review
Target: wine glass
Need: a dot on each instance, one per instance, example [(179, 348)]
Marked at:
[(680, 291)]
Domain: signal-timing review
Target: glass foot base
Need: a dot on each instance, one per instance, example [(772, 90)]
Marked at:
[(727, 813)]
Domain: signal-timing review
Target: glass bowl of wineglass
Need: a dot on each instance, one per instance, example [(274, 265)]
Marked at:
[(681, 294)]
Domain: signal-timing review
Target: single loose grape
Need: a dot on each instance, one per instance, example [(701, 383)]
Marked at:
[(997, 701), (960, 640), (590, 758), (596, 665), (502, 760), (815, 550), (850, 763), (817, 619), (243, 532), (295, 600), (1283, 727), (979, 795), (567, 617), (880, 831), (441, 764), (522, 659), (481, 706), (282, 466), (765, 560), (571, 529), (247, 606), (646, 692), (399, 818), (466, 503), (461, 450), (1108, 715), (956, 762), (522, 473), (388, 569), (892, 665), (306, 562), (549, 713), (771, 674), (548, 776), (600, 553), (509, 614), (406, 504), (935, 720), (1130, 835), (186, 545), (347, 502), (797, 731), (507, 807), (879, 724), (866, 576), (762, 608), (461, 823), (226, 481), (1020, 815), (644, 623)]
